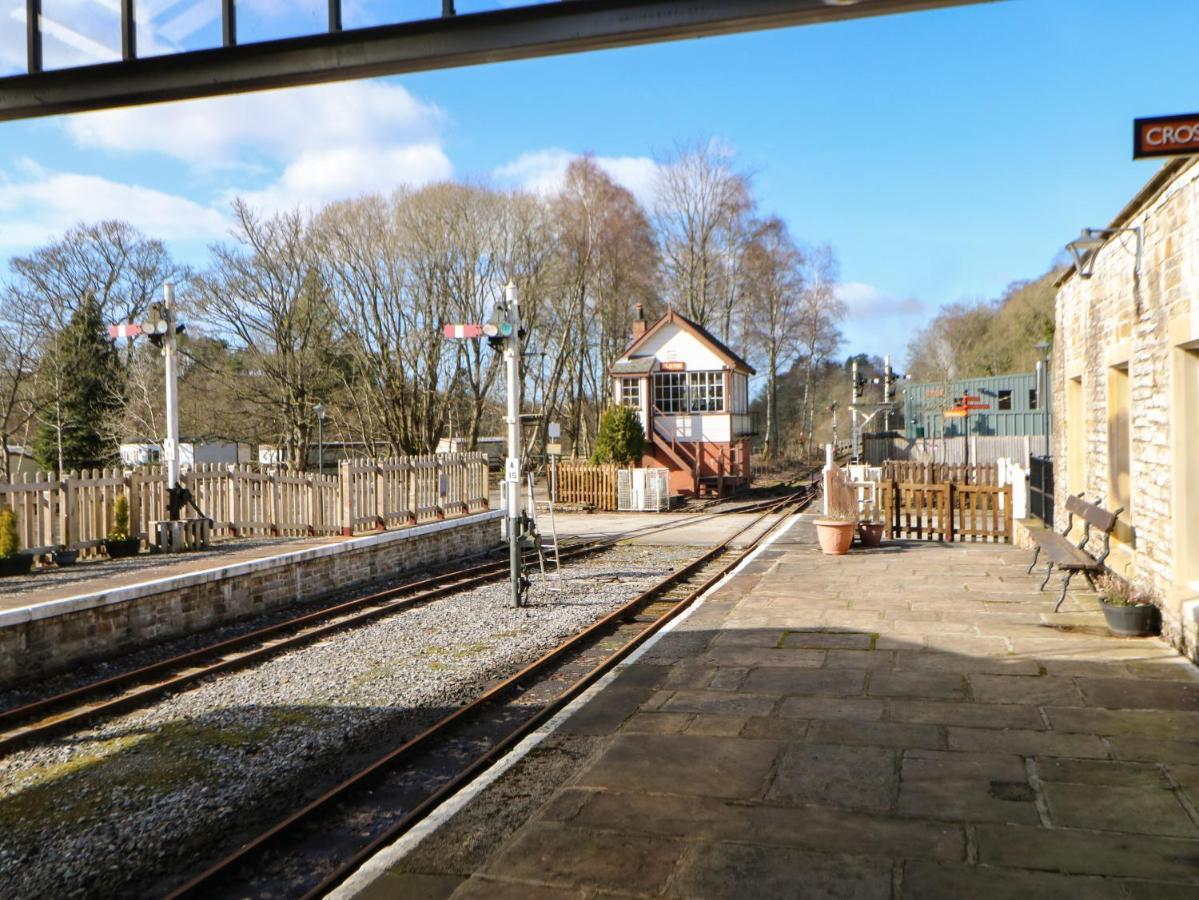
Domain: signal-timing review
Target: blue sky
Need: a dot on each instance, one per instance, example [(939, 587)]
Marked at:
[(942, 154)]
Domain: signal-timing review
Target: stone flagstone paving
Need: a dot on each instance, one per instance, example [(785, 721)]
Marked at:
[(912, 721)]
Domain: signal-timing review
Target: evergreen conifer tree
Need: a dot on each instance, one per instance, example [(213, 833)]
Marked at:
[(82, 376), (621, 437)]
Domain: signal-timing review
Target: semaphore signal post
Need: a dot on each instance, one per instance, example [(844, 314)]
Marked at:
[(503, 332), (162, 329)]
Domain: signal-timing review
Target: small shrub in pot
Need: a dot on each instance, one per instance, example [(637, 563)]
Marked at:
[(1128, 609), (119, 543), (12, 560)]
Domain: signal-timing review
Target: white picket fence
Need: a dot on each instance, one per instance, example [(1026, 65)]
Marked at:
[(75, 511)]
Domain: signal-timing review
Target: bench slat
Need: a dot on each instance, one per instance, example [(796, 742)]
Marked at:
[(1064, 554), (1102, 519)]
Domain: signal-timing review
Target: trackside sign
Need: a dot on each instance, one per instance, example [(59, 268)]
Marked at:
[(1166, 136)]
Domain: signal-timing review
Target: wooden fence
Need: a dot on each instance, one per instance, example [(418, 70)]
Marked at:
[(908, 472), (75, 511), (947, 512), (589, 485)]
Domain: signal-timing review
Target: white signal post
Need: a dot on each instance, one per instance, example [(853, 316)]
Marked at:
[(504, 331), (171, 450), (512, 468)]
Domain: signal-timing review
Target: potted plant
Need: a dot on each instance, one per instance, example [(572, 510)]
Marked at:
[(12, 561), (835, 530), (65, 556), (1129, 610), (119, 543), (870, 533)]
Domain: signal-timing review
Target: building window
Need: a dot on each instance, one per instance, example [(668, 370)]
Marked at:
[(1119, 439), (1005, 400), (1032, 398), (689, 392), (670, 392), (1076, 456), (707, 391), (630, 392)]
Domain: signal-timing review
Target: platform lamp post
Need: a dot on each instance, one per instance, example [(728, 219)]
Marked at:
[(319, 409), (1043, 392)]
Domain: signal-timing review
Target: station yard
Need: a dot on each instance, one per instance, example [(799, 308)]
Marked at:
[(908, 721)]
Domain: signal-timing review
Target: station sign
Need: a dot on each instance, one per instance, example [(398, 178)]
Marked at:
[(553, 449), (674, 365), (1165, 136)]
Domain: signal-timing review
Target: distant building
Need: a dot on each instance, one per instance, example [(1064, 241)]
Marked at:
[(692, 394), (1126, 377), (1014, 409), (494, 448), (21, 461), (149, 453)]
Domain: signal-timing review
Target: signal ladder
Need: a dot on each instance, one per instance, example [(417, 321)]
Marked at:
[(547, 544)]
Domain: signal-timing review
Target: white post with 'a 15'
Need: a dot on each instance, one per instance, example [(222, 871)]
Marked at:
[(512, 464)]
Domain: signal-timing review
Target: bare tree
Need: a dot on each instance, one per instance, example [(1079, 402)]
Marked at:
[(119, 266), (700, 206), (776, 285), (605, 262), (21, 331), (266, 295), (817, 333)]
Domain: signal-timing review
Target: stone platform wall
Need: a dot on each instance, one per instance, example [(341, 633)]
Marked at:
[(51, 637), (1147, 325)]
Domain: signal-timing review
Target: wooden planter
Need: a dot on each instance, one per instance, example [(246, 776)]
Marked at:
[(17, 564), (121, 549)]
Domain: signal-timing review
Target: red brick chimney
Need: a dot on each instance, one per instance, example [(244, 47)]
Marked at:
[(638, 321)]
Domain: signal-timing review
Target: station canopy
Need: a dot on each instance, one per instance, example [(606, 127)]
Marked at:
[(63, 56)]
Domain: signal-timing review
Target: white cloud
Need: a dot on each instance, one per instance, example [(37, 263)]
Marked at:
[(865, 301), (43, 204), (542, 171), (315, 144), (318, 176), (266, 126)]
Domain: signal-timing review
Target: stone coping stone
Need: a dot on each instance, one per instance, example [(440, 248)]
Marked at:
[(92, 599)]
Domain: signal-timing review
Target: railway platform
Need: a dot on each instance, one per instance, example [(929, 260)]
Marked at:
[(909, 721)]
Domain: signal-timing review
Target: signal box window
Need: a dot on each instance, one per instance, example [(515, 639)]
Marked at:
[(630, 392), (1005, 400), (1032, 398)]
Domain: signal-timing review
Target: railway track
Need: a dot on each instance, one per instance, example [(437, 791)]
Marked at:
[(318, 846), (136, 688)]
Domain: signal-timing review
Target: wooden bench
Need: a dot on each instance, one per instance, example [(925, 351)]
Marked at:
[(1074, 558)]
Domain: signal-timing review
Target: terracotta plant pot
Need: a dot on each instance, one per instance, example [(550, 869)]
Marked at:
[(835, 537), (17, 564), (871, 533), (120, 549), (1131, 621)]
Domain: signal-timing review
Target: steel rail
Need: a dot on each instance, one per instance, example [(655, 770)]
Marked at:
[(140, 688), (206, 881)]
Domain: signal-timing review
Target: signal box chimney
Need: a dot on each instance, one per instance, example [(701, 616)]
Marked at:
[(638, 321)]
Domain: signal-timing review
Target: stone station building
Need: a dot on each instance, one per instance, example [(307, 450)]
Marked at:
[(1126, 392)]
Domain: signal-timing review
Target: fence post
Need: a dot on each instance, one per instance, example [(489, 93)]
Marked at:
[(345, 489), (273, 507), (953, 500)]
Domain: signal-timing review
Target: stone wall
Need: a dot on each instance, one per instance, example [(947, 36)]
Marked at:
[(1116, 318), (39, 640)]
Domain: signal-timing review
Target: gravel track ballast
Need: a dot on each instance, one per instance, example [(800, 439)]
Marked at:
[(141, 798)]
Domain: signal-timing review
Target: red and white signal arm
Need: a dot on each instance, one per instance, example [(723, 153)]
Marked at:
[(459, 332), (124, 330)]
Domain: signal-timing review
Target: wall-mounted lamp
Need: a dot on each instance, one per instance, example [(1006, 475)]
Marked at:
[(1085, 248)]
